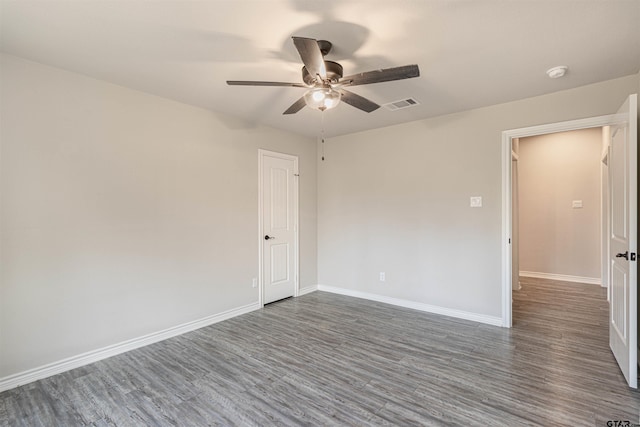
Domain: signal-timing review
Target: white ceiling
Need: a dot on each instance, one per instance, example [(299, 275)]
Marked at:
[(470, 53)]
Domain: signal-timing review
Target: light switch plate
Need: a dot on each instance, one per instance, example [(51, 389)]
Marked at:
[(576, 204), (475, 201)]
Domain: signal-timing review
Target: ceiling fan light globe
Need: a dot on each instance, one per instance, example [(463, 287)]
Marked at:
[(318, 95), (323, 98), (331, 101)]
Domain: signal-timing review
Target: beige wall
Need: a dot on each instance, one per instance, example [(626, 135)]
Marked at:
[(124, 214), (397, 200), (555, 170)]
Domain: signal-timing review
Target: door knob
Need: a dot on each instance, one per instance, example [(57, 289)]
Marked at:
[(267, 237), (624, 255)]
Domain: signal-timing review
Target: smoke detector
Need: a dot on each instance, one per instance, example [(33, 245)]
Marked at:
[(557, 72)]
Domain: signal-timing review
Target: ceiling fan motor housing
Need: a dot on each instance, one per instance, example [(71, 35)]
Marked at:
[(325, 46), (334, 73)]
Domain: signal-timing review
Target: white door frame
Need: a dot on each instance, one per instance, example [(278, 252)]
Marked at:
[(507, 220), (261, 154), (604, 211)]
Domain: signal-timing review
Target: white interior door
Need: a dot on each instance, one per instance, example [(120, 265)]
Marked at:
[(623, 337), (279, 212)]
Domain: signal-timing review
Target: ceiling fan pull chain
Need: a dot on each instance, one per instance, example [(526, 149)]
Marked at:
[(322, 133)]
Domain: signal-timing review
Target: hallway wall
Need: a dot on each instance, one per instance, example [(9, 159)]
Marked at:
[(556, 171)]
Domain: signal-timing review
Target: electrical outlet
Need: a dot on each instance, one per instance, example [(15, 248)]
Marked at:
[(254, 283), (382, 276)]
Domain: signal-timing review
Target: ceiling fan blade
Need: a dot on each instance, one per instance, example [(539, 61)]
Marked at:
[(358, 101), (311, 56), (296, 106), (379, 76), (258, 83)]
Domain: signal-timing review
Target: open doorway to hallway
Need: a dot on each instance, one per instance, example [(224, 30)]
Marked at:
[(558, 187)]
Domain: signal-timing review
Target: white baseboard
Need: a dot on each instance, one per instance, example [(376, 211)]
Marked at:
[(481, 318), (73, 362), (307, 290), (562, 277)]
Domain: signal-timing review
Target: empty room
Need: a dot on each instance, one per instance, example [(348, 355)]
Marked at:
[(294, 212)]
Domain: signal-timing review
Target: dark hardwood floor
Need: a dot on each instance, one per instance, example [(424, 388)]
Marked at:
[(325, 359)]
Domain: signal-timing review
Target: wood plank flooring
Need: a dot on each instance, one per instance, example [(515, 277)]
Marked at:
[(325, 359)]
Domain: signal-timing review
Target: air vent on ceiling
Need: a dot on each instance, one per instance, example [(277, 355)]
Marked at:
[(403, 103)]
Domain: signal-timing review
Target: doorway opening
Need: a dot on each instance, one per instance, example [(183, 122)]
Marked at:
[(621, 250), (508, 138), (557, 216), (558, 184)]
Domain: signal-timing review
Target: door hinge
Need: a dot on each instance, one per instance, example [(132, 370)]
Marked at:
[(632, 256)]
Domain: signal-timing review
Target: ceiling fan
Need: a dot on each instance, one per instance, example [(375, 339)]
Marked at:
[(324, 80)]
